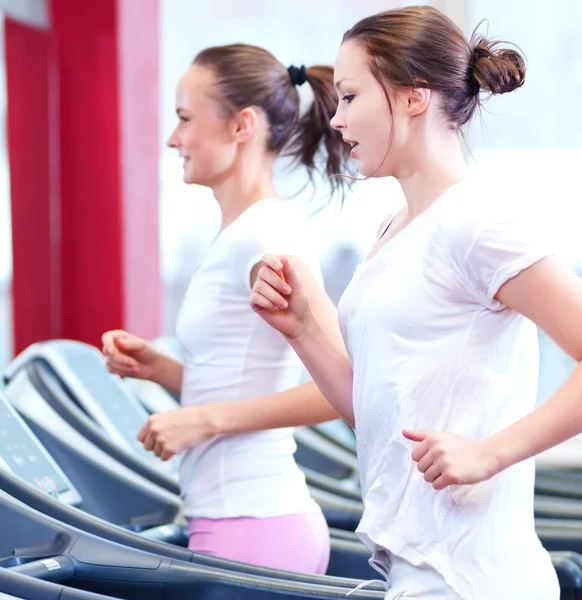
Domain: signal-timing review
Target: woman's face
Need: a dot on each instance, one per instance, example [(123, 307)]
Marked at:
[(203, 136), (364, 116)]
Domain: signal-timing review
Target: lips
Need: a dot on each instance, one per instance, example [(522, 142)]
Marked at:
[(354, 146)]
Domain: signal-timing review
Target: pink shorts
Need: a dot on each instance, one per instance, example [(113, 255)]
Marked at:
[(298, 542)]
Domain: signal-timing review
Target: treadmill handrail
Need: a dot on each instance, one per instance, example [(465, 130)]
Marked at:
[(25, 588), (99, 560), (57, 569), (76, 518)]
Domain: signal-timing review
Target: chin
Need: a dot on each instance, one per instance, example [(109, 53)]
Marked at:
[(374, 170), (368, 171), (189, 178)]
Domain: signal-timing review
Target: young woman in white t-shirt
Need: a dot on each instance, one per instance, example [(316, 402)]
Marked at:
[(244, 496), (440, 324)]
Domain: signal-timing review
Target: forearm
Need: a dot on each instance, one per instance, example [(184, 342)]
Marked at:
[(301, 405), (309, 322), (324, 355), (555, 421), (168, 373)]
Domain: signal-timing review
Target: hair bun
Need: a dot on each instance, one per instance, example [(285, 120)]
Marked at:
[(496, 69)]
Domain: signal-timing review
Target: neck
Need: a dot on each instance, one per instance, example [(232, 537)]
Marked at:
[(434, 170), (247, 183)]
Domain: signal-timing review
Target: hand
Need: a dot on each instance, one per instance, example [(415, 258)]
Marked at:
[(130, 356), (451, 459), (279, 297), (169, 433)]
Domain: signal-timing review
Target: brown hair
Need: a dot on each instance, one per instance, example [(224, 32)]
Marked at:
[(419, 46), (251, 76)]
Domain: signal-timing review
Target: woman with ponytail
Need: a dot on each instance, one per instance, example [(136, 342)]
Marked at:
[(244, 496)]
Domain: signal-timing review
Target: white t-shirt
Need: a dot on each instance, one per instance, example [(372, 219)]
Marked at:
[(432, 349), (230, 353)]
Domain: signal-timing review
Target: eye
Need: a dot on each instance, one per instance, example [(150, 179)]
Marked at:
[(183, 119), (349, 97)]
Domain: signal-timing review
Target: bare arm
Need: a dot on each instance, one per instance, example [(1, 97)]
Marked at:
[(168, 373), (301, 405), (550, 294), (299, 308), (328, 364)]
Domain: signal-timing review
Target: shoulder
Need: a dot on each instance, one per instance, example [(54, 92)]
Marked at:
[(491, 238), (474, 215)]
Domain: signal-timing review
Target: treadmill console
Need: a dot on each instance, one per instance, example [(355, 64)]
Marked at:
[(112, 398), (25, 457)]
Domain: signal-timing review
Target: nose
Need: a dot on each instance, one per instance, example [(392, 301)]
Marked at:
[(337, 122), (173, 141)]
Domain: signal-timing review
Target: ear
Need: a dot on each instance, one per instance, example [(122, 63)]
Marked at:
[(244, 124), (417, 100)]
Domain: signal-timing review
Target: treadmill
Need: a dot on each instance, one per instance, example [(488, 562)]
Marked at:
[(100, 406), (78, 482), (41, 548), (59, 367), (74, 381), (36, 549), (72, 377), (44, 497)]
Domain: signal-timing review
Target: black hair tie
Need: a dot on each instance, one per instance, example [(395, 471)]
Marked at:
[(298, 75)]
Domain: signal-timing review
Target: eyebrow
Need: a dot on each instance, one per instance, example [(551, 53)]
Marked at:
[(338, 83)]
